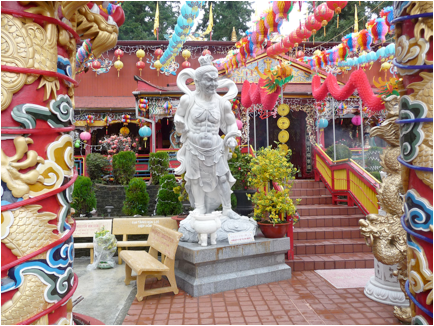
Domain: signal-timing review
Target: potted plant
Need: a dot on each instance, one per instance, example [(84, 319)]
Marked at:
[(239, 165), (271, 205)]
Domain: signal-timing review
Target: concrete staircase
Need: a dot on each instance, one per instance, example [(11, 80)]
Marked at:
[(327, 236)]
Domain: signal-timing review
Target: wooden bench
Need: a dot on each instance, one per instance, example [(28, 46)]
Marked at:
[(161, 240), (87, 229), (137, 225)]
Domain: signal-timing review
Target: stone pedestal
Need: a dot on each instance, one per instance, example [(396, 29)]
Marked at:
[(222, 267), (384, 286)]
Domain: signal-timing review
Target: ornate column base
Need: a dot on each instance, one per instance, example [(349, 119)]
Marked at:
[(384, 286)]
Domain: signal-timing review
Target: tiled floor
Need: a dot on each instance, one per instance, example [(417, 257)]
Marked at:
[(305, 299)]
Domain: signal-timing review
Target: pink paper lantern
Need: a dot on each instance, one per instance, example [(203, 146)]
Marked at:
[(85, 136), (356, 120), (239, 124)]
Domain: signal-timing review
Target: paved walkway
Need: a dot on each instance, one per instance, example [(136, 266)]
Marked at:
[(305, 299)]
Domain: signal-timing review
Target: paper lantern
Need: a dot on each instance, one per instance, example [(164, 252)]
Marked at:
[(186, 64), (96, 65), (364, 39), (158, 53), (282, 9), (124, 131), (293, 37), (379, 30), (119, 53), (158, 65), (322, 123), (141, 65), (341, 52), (77, 144), (387, 14), (350, 40), (302, 32), (246, 100), (356, 120), (205, 52), (145, 132), (167, 106), (239, 124), (287, 44), (255, 95), (85, 136), (270, 22), (337, 7), (312, 25), (118, 65), (300, 54), (261, 28), (323, 14)]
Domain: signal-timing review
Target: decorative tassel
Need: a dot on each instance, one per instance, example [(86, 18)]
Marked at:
[(313, 39), (357, 133), (338, 21), (324, 31)]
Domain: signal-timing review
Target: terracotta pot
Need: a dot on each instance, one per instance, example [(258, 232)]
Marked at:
[(276, 231), (179, 218)]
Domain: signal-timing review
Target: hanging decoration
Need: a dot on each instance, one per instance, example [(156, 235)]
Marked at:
[(107, 120), (167, 106), (303, 33), (235, 105), (85, 136), (323, 15), (312, 25), (337, 7), (119, 64), (89, 119), (83, 53), (124, 131), (282, 9), (145, 132), (272, 25), (205, 52), (143, 104), (126, 119), (387, 14), (294, 38), (140, 64), (239, 124), (283, 123), (322, 123), (364, 39), (95, 66), (320, 106), (379, 29), (186, 55)]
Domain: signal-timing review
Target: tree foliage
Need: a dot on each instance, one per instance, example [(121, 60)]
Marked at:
[(140, 16), (136, 198), (97, 166), (365, 12), (227, 14), (83, 196), (124, 167), (167, 200)]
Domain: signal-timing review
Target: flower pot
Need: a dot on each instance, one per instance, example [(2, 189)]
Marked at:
[(274, 231), (179, 218), (244, 205)]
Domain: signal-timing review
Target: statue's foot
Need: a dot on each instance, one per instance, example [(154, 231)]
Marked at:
[(198, 211), (231, 214)]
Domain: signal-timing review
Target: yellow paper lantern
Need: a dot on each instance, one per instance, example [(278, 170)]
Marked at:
[(118, 65), (125, 131), (186, 54), (140, 54), (158, 65)]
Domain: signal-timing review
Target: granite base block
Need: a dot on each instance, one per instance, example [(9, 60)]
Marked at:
[(222, 267)]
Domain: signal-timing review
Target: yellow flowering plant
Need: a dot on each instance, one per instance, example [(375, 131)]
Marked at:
[(272, 165)]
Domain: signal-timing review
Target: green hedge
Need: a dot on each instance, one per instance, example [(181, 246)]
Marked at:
[(97, 166), (342, 152), (158, 165), (168, 203), (137, 198), (124, 167), (83, 196)]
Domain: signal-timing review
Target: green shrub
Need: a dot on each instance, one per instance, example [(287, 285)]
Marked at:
[(158, 165), (167, 200), (124, 167), (234, 202), (97, 166), (239, 165), (342, 152), (83, 196), (136, 198), (376, 175)]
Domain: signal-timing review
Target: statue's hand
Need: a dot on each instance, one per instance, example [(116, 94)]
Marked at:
[(232, 143), (180, 126)]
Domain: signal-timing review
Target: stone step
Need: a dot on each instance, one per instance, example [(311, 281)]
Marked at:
[(329, 221), (321, 210), (307, 184), (332, 261), (297, 192), (335, 246), (314, 200), (327, 233)]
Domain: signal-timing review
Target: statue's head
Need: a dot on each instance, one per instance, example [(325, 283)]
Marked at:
[(206, 75)]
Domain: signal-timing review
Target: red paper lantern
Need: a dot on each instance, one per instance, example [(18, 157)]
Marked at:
[(293, 37), (140, 65), (282, 9), (205, 52), (186, 64), (312, 25), (158, 53), (323, 14), (300, 54), (261, 29), (337, 7), (96, 65), (303, 33), (287, 44), (275, 49), (119, 53)]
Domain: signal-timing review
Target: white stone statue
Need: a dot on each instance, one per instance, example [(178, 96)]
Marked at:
[(204, 154)]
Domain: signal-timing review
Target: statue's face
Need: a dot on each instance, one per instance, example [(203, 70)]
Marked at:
[(208, 83)]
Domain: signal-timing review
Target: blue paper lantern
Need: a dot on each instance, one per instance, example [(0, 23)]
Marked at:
[(145, 132), (323, 123)]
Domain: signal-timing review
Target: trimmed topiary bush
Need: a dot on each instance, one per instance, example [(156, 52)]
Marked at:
[(97, 166), (158, 165), (137, 198), (167, 200), (124, 167), (83, 196), (342, 152)]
